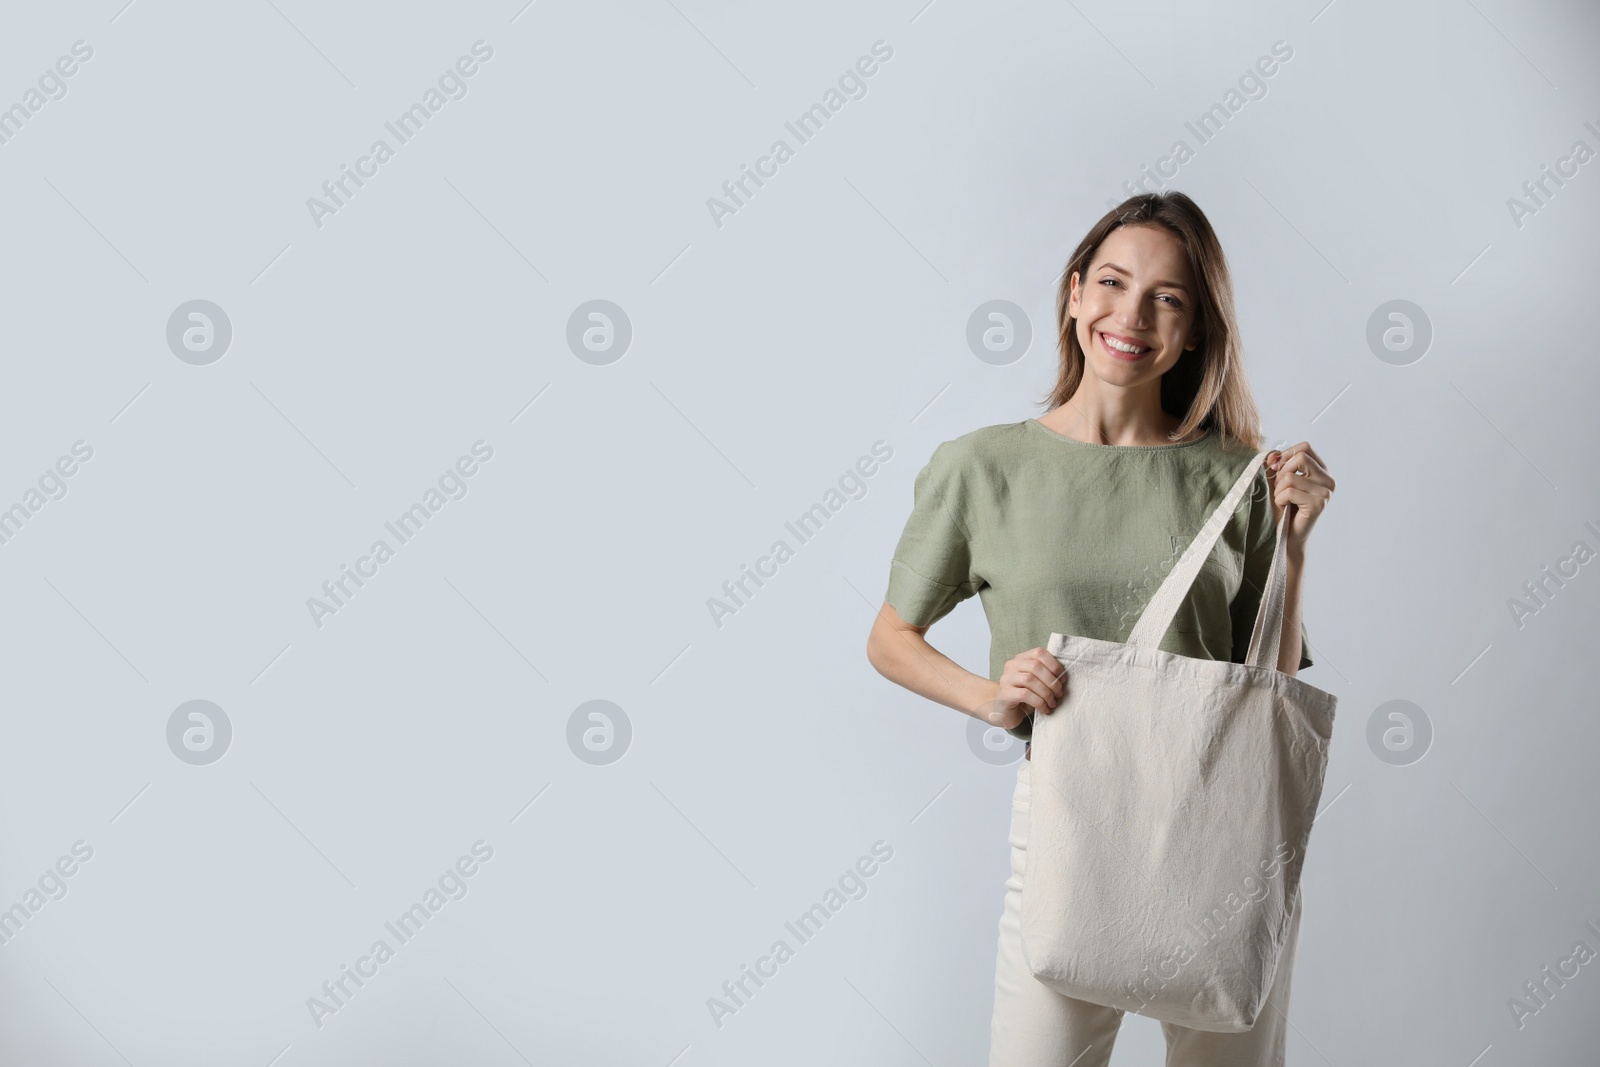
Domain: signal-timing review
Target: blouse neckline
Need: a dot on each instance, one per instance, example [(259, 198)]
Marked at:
[(1042, 428)]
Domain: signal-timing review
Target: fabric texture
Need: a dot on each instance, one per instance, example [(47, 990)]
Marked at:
[(1034, 1026), (1056, 535), (1174, 803)]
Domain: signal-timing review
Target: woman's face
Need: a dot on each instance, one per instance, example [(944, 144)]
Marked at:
[(1138, 291)]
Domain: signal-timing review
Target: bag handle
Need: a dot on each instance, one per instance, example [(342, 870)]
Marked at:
[(1163, 607)]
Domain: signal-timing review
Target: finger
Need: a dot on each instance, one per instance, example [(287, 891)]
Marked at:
[(1052, 676), (1039, 682), (1292, 482), (1304, 461), (1302, 473), (1323, 476), (1302, 494), (1031, 690), (1050, 669)]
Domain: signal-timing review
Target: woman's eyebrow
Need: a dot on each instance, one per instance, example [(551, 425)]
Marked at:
[(1124, 270)]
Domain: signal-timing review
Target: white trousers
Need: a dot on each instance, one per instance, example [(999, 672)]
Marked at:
[(1034, 1026)]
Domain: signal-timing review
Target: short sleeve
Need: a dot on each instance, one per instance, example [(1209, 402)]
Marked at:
[(932, 569), (1261, 538)]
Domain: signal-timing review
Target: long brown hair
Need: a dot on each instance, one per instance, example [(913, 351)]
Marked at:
[(1206, 387)]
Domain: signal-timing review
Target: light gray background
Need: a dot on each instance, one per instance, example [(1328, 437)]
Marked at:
[(768, 355)]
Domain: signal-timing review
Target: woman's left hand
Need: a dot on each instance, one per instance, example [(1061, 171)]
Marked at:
[(1298, 476)]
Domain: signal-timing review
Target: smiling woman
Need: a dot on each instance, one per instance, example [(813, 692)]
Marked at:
[(1065, 524)]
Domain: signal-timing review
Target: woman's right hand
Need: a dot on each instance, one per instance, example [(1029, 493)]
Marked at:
[(1030, 681)]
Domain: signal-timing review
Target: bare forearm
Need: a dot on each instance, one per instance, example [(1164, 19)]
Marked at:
[(905, 658)]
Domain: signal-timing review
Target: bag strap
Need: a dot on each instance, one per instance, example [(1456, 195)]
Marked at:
[(1152, 626)]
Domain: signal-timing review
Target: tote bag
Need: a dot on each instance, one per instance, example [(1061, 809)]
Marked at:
[(1171, 805)]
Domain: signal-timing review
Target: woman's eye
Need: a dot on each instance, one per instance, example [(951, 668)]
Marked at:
[(1174, 301)]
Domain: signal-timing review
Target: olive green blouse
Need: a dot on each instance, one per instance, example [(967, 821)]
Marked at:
[(1057, 535)]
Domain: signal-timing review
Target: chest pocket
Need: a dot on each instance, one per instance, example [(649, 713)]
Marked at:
[(1213, 587)]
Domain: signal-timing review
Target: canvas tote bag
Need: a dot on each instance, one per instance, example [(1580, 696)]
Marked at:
[(1171, 803)]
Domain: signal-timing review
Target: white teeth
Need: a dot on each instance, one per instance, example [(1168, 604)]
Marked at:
[(1112, 342)]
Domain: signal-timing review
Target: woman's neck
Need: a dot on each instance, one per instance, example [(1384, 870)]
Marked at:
[(1104, 428)]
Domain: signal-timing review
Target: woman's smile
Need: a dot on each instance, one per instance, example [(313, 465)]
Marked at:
[(1123, 347)]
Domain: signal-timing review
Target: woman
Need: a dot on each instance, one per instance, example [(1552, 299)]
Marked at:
[(1068, 523)]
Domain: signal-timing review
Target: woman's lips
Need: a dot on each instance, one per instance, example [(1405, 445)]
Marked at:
[(1129, 357)]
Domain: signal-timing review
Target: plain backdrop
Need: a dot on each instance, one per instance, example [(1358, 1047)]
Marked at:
[(744, 761)]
